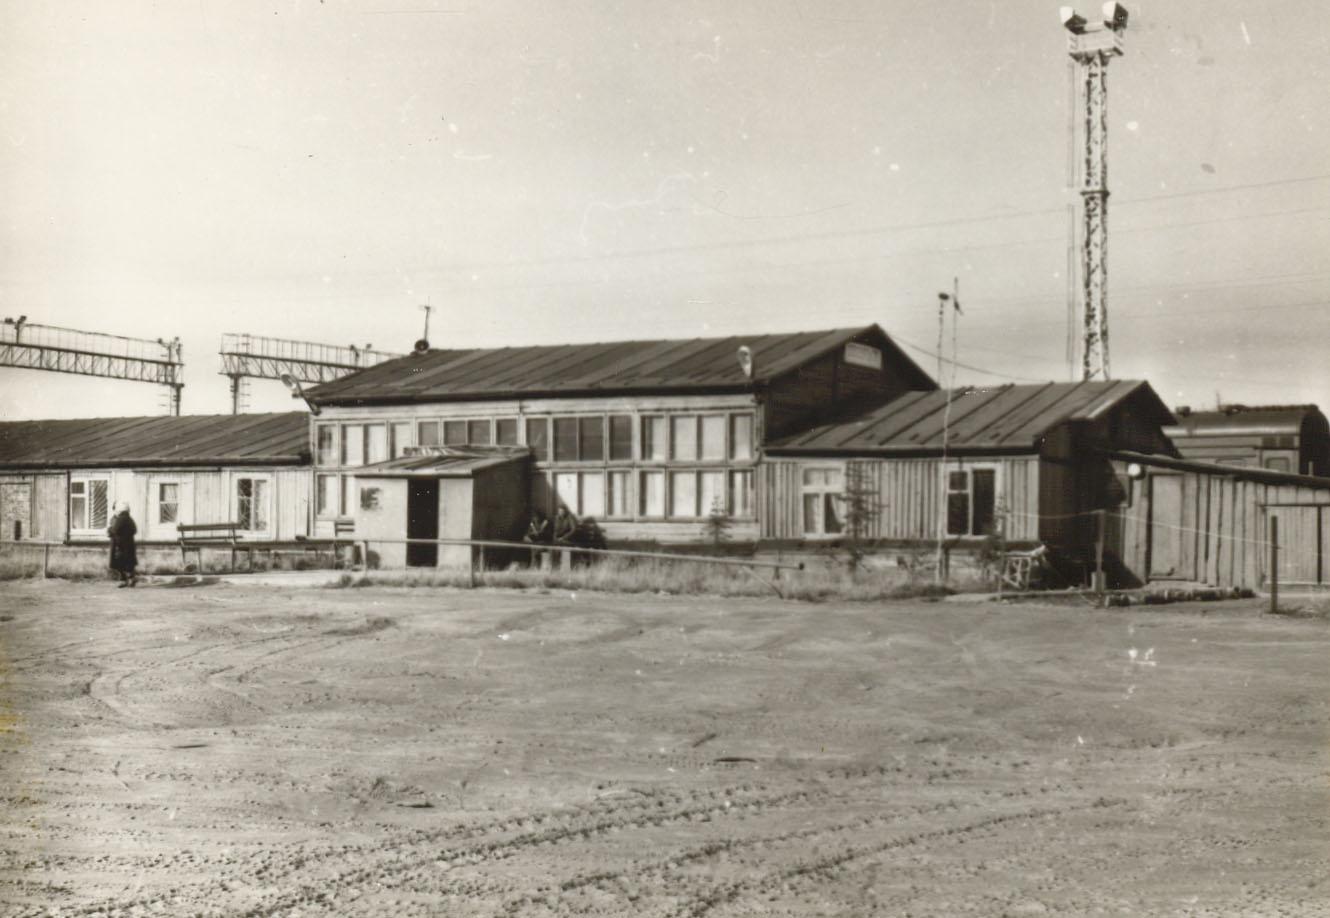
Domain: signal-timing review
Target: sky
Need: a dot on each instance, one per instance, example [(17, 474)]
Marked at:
[(550, 172)]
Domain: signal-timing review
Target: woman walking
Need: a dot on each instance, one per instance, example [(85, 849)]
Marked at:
[(124, 558)]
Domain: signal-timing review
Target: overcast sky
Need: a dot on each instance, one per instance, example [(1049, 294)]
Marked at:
[(542, 172)]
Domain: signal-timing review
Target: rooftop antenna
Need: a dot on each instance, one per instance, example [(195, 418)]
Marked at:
[(1091, 47), (423, 344)]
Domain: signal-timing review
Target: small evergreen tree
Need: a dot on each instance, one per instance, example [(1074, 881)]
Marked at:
[(861, 509), (717, 525)]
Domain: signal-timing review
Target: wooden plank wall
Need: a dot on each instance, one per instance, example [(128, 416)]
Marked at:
[(908, 490), (1226, 526)]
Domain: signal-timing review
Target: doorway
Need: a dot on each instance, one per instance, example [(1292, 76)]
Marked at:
[(1167, 543), (422, 521)]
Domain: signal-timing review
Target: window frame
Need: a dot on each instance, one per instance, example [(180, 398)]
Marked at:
[(828, 495), (968, 469), (86, 526), (264, 504)]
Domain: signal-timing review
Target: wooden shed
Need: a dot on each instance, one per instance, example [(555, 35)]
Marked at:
[(1027, 461), (441, 493), (59, 479)]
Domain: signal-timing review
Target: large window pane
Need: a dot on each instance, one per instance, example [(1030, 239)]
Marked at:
[(538, 437), (478, 433), (982, 501), (427, 433), (401, 439), (168, 502), (326, 495), (711, 493), (741, 436), (683, 494), (653, 438), (326, 435), (621, 437), (454, 433), (96, 504), (353, 444), (741, 493), (683, 437), (245, 503), (260, 514), (958, 513), (713, 437), (591, 432), (78, 505), (651, 493), (812, 513), (565, 439), (376, 443), (617, 501), (345, 507), (505, 431), (831, 518), (593, 494), (565, 489)]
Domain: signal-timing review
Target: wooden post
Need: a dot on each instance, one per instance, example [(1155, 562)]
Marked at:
[(364, 554), (1099, 580), (470, 570), (46, 561), (1274, 564)]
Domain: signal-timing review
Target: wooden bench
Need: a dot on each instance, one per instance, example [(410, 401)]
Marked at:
[(198, 536)]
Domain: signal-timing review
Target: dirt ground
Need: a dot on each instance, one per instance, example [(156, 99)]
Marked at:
[(259, 751)]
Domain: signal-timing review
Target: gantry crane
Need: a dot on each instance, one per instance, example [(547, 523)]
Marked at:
[(280, 358), (1092, 46), (30, 346)]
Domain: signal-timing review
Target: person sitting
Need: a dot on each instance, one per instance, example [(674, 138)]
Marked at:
[(538, 530), (565, 527)]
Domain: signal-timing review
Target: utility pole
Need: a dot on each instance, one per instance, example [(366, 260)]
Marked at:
[(1092, 47)]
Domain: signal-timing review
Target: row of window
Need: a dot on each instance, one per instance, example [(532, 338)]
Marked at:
[(971, 501), (89, 506), (690, 437)]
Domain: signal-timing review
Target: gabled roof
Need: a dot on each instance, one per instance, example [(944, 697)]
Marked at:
[(212, 439), (444, 462), (1003, 419), (693, 365)]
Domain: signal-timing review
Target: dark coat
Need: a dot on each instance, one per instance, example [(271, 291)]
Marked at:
[(122, 530)]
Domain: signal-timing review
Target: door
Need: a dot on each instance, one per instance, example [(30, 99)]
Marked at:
[(422, 521), (1166, 532)]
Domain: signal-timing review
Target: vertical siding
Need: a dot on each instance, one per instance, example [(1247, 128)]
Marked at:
[(1226, 525), (50, 512), (909, 492)]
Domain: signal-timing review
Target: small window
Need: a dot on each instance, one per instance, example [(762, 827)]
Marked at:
[(401, 437), (325, 495), (683, 437), (971, 501), (591, 439), (505, 431), (427, 433), (168, 502), (353, 444), (376, 443), (454, 433), (87, 503), (712, 446), (618, 503), (621, 437), (741, 493), (741, 436), (653, 439), (822, 501), (478, 433), (326, 435), (565, 439), (538, 437), (683, 494), (1277, 463), (252, 504), (651, 494)]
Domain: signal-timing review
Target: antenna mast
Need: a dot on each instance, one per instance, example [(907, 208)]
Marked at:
[(1091, 48)]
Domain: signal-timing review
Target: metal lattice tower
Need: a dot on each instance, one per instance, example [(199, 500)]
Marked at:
[(1092, 47), (272, 358), (30, 346)]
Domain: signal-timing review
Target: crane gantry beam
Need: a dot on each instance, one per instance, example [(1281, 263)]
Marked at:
[(259, 357), (30, 346), (1092, 47)]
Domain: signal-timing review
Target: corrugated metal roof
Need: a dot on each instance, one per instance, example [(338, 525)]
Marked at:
[(212, 439), (638, 366), (444, 462), (1004, 418), (1240, 420)]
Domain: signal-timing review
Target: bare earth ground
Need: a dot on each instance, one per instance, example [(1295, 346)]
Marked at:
[(256, 751)]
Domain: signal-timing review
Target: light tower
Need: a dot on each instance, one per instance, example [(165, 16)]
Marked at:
[(1092, 46)]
